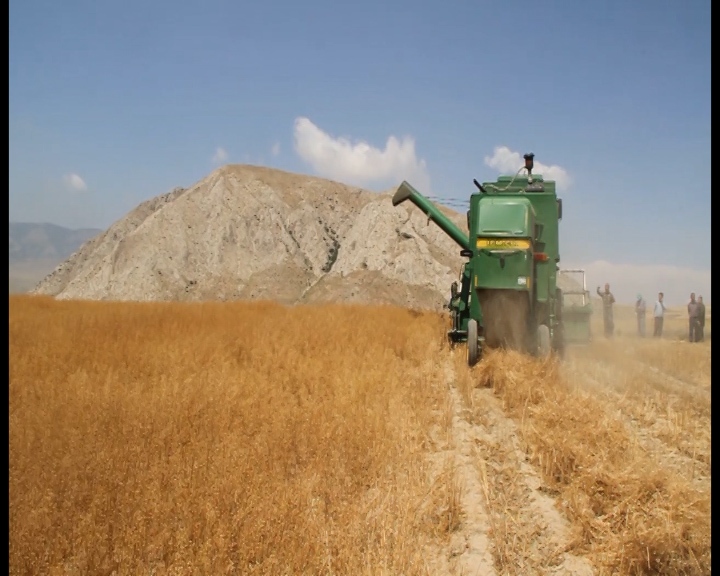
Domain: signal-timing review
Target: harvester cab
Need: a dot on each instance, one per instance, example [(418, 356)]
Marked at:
[(507, 294)]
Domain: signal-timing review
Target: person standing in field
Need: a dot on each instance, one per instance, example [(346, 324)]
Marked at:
[(693, 318), (640, 312), (658, 316), (607, 300), (701, 319)]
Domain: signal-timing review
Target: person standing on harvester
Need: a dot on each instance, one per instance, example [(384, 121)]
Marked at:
[(607, 300)]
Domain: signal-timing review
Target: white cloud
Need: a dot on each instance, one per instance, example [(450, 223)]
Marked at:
[(359, 163), (508, 162), (220, 156), (75, 183), (253, 160), (628, 280), (275, 149)]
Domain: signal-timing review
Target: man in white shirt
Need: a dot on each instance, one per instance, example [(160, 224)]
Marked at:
[(658, 316)]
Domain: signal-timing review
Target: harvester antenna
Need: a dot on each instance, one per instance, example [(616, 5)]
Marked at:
[(479, 186)]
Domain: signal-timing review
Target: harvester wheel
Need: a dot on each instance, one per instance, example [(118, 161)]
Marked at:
[(473, 351), (543, 341)]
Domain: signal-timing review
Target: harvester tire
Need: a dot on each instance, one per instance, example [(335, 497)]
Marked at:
[(473, 348), (543, 341)]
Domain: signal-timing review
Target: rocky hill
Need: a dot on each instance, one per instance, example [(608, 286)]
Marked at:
[(253, 232), (248, 232)]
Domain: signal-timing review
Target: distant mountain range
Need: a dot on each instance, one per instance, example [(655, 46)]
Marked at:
[(36, 249)]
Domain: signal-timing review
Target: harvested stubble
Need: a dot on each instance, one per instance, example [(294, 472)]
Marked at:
[(630, 516), (676, 412), (223, 438), (688, 362)]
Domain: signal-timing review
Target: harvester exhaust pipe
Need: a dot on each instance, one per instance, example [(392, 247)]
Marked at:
[(407, 192), (529, 162)]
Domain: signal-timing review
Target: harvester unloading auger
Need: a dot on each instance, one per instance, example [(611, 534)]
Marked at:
[(508, 295)]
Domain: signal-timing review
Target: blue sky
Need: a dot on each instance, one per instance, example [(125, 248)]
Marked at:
[(112, 103)]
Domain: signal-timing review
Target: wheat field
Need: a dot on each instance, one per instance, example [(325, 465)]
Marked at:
[(254, 438)]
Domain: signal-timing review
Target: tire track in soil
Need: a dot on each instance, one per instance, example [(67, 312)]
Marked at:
[(686, 465), (666, 382), (661, 382), (681, 387), (469, 552), (509, 526)]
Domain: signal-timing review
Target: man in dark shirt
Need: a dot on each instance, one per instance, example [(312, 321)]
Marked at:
[(607, 301), (701, 319), (693, 318)]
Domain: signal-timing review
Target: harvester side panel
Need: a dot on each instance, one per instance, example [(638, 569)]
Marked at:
[(546, 209)]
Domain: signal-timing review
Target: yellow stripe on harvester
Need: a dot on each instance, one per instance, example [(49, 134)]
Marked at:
[(503, 243)]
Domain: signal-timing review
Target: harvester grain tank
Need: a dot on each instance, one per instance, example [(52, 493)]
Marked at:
[(577, 306), (507, 294)]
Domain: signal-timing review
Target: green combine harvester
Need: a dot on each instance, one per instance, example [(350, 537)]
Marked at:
[(508, 295)]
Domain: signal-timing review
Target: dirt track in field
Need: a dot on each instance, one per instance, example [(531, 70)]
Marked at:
[(513, 521), (502, 495)]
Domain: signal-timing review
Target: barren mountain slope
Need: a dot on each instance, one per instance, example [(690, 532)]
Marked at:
[(253, 232)]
